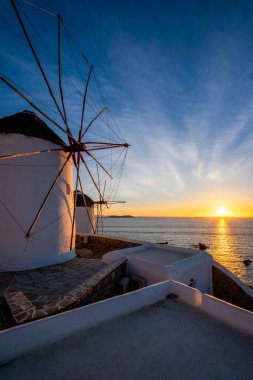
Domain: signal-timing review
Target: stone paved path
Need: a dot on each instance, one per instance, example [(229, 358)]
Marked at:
[(52, 281), (47, 287)]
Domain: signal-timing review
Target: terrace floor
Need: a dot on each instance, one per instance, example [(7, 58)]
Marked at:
[(166, 341), (47, 289), (50, 283), (162, 256), (36, 293)]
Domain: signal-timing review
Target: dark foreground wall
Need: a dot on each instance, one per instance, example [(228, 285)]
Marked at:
[(227, 290), (104, 286)]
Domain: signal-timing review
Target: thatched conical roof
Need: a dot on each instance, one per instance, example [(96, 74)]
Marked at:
[(29, 124), (80, 202)]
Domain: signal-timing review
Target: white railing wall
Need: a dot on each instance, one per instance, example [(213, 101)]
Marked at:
[(27, 338)]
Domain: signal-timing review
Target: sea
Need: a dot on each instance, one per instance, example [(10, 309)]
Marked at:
[(230, 240)]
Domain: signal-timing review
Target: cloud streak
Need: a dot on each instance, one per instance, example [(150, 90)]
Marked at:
[(182, 95)]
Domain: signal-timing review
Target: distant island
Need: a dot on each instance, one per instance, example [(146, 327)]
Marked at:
[(119, 216)]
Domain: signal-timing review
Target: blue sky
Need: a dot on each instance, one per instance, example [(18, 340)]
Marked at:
[(178, 77)]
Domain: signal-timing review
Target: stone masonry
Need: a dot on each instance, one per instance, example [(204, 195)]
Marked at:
[(33, 294)]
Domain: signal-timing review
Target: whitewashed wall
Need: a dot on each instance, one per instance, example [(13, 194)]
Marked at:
[(29, 337), (232, 315), (23, 186), (23, 339), (83, 225), (197, 267)]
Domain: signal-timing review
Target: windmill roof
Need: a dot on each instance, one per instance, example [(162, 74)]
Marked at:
[(80, 202), (29, 124)]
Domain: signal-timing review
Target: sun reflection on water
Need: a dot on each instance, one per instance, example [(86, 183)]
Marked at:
[(230, 240), (224, 248)]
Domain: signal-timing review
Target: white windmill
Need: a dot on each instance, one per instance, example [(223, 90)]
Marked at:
[(85, 217), (38, 209)]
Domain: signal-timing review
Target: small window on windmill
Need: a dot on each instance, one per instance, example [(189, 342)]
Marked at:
[(67, 188)]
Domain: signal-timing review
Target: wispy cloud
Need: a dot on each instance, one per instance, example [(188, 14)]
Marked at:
[(183, 102), (203, 140)]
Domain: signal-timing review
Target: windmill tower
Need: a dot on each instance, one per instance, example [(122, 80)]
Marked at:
[(38, 212), (24, 183), (85, 218)]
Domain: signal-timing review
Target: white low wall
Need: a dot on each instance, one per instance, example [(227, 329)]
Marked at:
[(236, 317), (188, 295), (233, 316), (32, 336), (197, 266), (152, 272), (24, 339)]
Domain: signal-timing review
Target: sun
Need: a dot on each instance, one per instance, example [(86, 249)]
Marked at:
[(221, 211)]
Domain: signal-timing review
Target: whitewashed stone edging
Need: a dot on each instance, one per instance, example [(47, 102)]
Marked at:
[(225, 312), (26, 338), (188, 295), (31, 336)]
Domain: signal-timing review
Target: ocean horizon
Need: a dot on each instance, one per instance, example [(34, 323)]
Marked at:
[(229, 239)]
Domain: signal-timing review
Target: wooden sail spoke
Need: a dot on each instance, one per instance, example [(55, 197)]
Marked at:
[(60, 79), (86, 59), (74, 149), (85, 203), (75, 200), (104, 195), (102, 167), (97, 220), (101, 218), (92, 121), (104, 202), (89, 172), (37, 59), (105, 146), (84, 102), (114, 202), (36, 108), (110, 145), (25, 154), (59, 68), (101, 201), (46, 197), (110, 202), (101, 196), (74, 160)]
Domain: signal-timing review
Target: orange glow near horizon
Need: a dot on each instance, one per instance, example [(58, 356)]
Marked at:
[(206, 204), (210, 208)]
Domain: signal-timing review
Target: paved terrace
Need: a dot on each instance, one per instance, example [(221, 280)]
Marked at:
[(50, 283), (37, 293), (33, 294), (166, 341)]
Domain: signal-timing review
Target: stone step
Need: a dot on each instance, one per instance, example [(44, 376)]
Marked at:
[(22, 309)]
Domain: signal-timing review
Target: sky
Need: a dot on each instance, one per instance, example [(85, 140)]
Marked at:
[(178, 78)]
